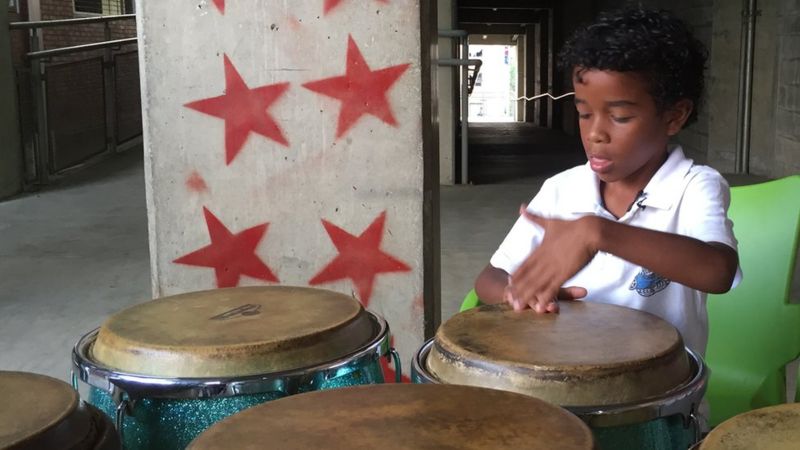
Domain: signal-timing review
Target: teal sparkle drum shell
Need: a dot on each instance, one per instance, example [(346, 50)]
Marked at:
[(666, 423), (167, 424)]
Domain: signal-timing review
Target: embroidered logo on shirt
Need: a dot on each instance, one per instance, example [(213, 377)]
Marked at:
[(648, 283)]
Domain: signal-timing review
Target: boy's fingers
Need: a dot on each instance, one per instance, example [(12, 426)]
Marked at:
[(572, 293)]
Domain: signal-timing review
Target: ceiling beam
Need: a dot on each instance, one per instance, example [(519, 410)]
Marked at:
[(493, 29), (500, 16), (505, 4)]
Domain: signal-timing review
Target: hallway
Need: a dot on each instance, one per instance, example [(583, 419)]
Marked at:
[(519, 152)]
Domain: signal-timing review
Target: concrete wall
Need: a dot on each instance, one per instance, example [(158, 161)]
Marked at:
[(786, 154), (10, 151), (321, 194), (448, 114), (724, 87)]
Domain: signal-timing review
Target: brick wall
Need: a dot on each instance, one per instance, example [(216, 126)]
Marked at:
[(76, 35), (19, 38)]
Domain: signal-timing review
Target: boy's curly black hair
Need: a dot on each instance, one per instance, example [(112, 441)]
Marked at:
[(654, 44)]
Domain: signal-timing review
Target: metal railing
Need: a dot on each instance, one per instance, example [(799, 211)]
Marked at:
[(58, 142)]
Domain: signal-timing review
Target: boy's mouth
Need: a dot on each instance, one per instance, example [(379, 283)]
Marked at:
[(599, 164)]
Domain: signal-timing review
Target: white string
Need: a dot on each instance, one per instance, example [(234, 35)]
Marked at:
[(546, 94)]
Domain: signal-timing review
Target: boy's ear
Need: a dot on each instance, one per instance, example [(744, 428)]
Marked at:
[(678, 114)]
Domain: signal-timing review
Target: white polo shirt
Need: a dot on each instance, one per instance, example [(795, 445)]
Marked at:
[(682, 198)]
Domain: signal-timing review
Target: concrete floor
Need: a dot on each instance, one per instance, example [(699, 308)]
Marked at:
[(69, 257), (78, 252)]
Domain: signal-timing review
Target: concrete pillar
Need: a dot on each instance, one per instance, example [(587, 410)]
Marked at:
[(448, 109), (10, 151), (294, 143)]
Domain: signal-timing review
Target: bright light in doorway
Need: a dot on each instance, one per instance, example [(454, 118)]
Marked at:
[(494, 97)]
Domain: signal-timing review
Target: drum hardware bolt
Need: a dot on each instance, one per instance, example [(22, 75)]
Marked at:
[(693, 421), (398, 369), (74, 379), (124, 407)]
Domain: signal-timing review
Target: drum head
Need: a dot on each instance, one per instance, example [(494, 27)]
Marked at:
[(233, 332), (589, 354), (39, 412), (772, 428), (404, 416)]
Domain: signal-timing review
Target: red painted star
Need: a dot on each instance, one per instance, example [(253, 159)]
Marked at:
[(360, 258), (230, 255), (330, 4), (220, 4), (361, 90), (244, 110)]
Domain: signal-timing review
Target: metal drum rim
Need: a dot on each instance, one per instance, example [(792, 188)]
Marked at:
[(683, 400), (134, 385)]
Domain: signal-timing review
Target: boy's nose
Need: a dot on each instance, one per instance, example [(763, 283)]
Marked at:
[(597, 136)]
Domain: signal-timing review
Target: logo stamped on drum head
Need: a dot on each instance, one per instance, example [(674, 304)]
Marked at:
[(244, 310)]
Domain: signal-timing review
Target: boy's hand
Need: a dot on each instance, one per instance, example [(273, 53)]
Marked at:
[(570, 293), (567, 246)]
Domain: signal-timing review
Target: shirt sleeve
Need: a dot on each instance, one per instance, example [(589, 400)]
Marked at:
[(704, 212), (525, 235)]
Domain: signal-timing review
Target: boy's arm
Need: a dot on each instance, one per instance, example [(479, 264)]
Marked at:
[(490, 284), (705, 266), (570, 245)]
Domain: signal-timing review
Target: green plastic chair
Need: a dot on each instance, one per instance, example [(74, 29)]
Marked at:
[(470, 301), (754, 331)]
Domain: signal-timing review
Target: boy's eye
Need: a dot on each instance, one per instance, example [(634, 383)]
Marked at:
[(622, 119), (584, 116)]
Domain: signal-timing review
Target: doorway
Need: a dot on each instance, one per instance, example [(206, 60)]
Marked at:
[(495, 89)]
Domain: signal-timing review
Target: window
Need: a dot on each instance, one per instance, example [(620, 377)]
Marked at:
[(13, 5), (104, 7), (89, 6)]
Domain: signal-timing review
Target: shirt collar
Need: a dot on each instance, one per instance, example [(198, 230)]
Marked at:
[(662, 191)]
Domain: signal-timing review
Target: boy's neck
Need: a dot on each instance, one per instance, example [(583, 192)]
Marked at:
[(618, 196)]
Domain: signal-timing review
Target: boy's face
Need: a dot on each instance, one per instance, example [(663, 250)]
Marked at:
[(624, 134)]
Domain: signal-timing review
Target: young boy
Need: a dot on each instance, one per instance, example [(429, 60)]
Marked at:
[(639, 225)]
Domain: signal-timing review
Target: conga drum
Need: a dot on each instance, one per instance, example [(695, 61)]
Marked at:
[(401, 416), (167, 369), (771, 428), (626, 373), (39, 412)]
